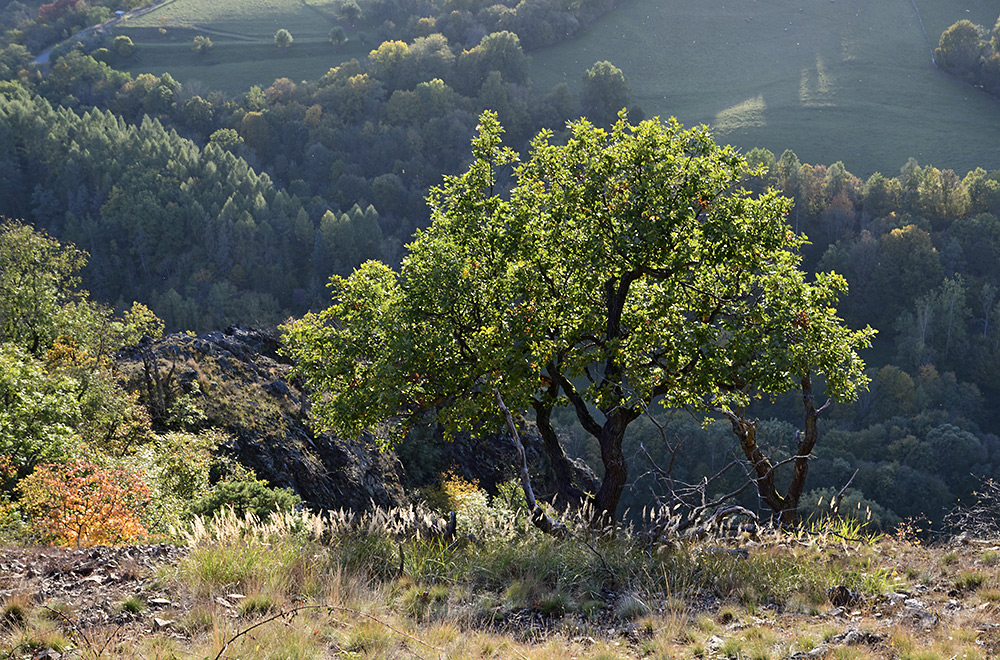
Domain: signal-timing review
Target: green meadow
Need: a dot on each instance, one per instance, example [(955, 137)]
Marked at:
[(848, 80), (242, 34)]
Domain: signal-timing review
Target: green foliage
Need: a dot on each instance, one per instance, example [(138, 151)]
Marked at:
[(226, 138), (202, 44), (500, 52), (283, 38), (605, 93), (629, 249), (338, 36), (57, 391), (249, 496), (137, 220), (959, 47), (124, 46), (38, 415), (178, 468), (38, 287)]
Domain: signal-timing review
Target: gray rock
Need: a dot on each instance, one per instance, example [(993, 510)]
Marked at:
[(266, 415), (919, 614), (162, 624), (855, 636), (814, 654)]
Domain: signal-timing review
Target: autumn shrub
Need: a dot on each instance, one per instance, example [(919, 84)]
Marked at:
[(80, 503), (484, 516), (450, 492)]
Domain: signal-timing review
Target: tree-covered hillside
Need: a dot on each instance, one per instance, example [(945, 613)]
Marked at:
[(211, 209)]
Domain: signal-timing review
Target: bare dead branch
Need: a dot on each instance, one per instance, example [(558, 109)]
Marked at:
[(835, 505), (284, 614), (539, 518)]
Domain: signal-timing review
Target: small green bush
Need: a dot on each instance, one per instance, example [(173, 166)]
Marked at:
[(246, 496), (256, 604), (338, 36), (124, 46), (283, 38)]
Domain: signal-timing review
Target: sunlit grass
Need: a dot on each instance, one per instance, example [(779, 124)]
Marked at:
[(333, 586)]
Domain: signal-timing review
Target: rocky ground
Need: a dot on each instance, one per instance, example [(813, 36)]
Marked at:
[(87, 592), (86, 588)]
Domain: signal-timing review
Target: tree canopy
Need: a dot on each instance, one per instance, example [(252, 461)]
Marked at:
[(620, 269)]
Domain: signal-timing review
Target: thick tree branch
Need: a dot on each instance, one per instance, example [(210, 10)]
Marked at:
[(561, 467), (587, 420)]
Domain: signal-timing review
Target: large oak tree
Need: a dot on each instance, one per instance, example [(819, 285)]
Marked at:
[(622, 269)]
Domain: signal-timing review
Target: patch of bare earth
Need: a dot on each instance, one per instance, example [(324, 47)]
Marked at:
[(85, 588)]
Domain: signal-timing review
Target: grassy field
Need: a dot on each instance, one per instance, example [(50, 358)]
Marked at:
[(832, 80), (242, 33), (235, 63)]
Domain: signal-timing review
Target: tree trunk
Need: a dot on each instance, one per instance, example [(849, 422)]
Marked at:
[(787, 505), (615, 470), (805, 443), (746, 432), (568, 492)]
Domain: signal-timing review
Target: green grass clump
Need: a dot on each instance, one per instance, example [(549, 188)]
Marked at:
[(13, 614), (256, 605), (970, 580), (422, 602), (247, 554), (368, 637), (28, 639), (133, 605), (630, 607)]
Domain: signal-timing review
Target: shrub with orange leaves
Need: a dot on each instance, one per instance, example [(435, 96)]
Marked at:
[(80, 503)]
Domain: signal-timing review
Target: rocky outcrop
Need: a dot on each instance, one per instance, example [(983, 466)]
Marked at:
[(238, 381)]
